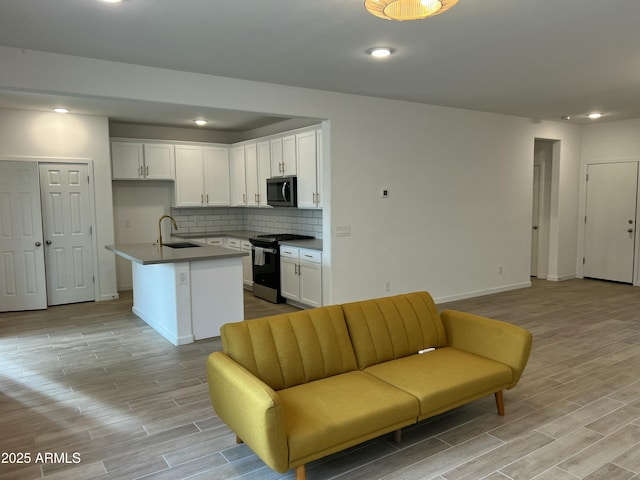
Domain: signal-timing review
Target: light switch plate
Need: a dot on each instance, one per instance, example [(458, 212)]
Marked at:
[(343, 231)]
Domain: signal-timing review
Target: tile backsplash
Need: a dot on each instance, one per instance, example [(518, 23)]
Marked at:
[(267, 220)]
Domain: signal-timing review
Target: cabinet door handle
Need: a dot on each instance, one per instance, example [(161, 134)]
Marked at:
[(141, 171), (207, 199), (202, 198), (147, 170)]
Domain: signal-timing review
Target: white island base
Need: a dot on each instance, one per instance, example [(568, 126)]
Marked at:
[(188, 301)]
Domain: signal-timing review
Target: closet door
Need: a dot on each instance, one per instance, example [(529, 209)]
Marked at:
[(22, 273), (67, 233)]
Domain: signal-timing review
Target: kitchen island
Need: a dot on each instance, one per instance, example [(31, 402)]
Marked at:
[(185, 292)]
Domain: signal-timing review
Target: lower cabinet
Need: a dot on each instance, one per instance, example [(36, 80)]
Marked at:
[(247, 264), (301, 275)]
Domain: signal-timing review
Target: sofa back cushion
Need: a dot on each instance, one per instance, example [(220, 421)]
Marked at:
[(392, 327), (290, 349)]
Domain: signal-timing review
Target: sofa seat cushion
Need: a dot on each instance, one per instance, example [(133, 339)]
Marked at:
[(334, 413), (444, 379)]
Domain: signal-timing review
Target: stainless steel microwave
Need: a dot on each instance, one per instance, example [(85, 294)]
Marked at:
[(282, 191)]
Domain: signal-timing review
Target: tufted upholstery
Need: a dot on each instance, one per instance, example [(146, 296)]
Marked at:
[(387, 328), (291, 349)]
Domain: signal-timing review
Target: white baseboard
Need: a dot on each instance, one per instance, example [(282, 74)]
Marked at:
[(480, 293), (110, 296), (162, 331), (561, 278)]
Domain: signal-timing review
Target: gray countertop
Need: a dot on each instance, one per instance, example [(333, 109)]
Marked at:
[(313, 244), (242, 234), (149, 254)]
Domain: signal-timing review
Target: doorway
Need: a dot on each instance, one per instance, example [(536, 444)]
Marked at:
[(543, 160)]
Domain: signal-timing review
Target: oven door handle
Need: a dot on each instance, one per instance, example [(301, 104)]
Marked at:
[(266, 250)]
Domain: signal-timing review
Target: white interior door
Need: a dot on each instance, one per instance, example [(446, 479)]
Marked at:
[(67, 233), (22, 274), (609, 239), (535, 220)]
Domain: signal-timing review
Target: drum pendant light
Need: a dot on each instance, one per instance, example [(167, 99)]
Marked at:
[(407, 9)]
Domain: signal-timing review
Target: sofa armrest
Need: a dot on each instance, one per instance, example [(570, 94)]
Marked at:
[(489, 338), (249, 407)]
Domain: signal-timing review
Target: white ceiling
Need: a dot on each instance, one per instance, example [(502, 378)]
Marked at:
[(539, 59)]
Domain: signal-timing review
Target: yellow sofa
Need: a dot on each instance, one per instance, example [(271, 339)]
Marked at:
[(297, 387)]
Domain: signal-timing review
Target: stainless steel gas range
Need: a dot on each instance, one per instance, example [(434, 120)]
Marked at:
[(265, 254)]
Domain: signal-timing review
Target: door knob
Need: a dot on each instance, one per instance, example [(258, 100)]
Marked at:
[(630, 230), (535, 227), (38, 244), (48, 242)]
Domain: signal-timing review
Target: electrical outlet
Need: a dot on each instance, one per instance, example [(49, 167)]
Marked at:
[(387, 286), (384, 192), (182, 278), (500, 270)]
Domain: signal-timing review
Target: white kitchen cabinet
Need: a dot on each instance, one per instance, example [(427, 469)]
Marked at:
[(264, 171), (238, 176), (126, 160), (202, 176), (142, 161), (217, 190), (189, 168), (250, 168), (301, 275), (251, 174), (247, 264), (159, 161), (309, 169), (283, 156)]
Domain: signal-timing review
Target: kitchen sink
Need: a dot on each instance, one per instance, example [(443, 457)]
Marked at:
[(181, 245)]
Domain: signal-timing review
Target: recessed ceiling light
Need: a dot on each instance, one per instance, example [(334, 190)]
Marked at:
[(200, 123), (380, 52), (594, 116), (112, 1), (566, 117), (61, 110)]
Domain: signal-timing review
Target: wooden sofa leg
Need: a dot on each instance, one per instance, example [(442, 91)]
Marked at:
[(397, 436), (500, 402), (301, 474)]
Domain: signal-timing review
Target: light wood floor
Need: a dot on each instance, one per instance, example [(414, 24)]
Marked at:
[(94, 381)]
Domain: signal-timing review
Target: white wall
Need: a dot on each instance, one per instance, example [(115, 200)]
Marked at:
[(31, 135), (460, 181)]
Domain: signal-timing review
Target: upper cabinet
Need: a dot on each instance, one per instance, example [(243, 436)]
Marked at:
[(283, 156), (309, 167), (250, 168), (202, 176), (159, 161), (142, 161), (216, 177), (226, 175), (238, 176)]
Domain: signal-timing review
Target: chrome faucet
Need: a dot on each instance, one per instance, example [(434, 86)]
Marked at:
[(175, 227)]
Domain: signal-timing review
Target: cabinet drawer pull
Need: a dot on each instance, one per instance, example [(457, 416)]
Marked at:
[(147, 170)]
